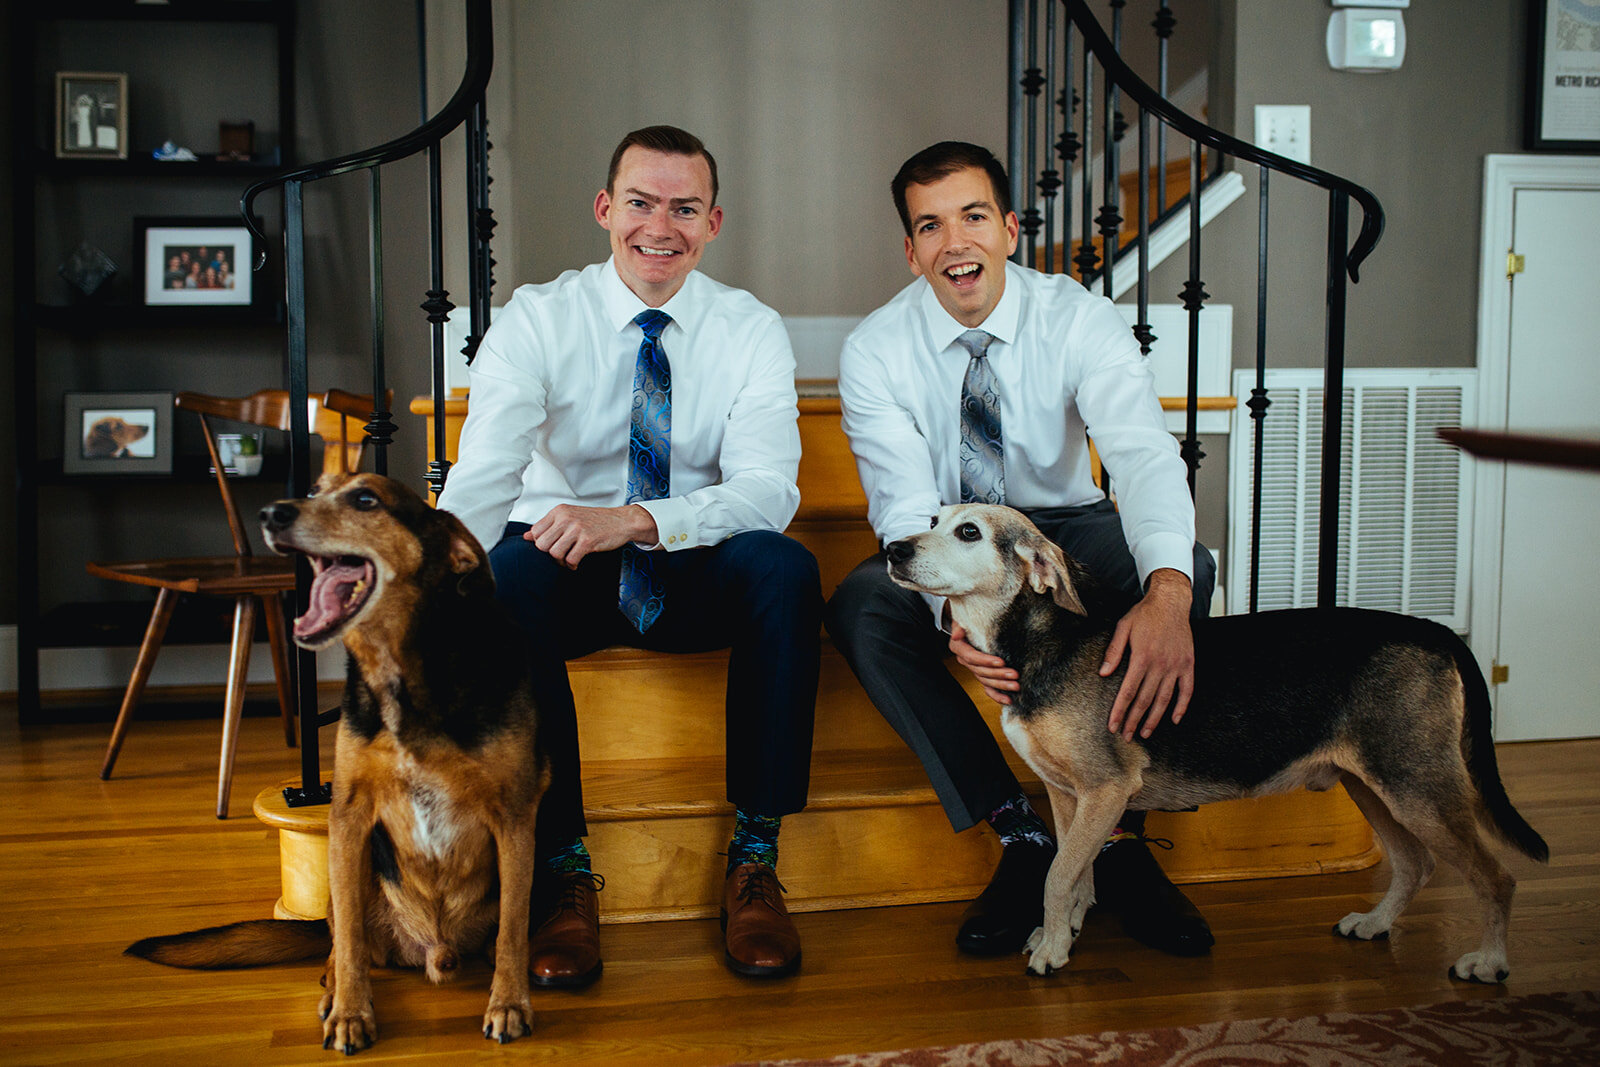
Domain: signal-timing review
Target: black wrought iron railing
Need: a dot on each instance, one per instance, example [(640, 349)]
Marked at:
[(465, 111), (1067, 73)]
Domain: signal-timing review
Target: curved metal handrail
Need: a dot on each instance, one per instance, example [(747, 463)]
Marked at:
[(1147, 98), (480, 64)]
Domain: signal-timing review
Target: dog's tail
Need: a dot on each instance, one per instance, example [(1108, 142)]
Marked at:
[(246, 944), (1477, 748)]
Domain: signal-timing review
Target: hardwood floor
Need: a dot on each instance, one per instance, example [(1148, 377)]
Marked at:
[(88, 866)]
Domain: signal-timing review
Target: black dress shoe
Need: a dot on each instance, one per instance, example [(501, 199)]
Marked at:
[(1012, 907), (1129, 882)]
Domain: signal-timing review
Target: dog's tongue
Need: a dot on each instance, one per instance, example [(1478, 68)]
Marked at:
[(336, 591)]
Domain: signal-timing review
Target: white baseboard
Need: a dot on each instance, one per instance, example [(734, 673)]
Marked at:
[(178, 665)]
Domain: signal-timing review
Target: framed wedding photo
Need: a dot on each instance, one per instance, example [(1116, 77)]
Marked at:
[(1563, 94), (190, 262), (91, 115), (117, 433)]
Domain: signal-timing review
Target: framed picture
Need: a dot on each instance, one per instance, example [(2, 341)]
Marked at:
[(91, 115), (1563, 76), (193, 262), (117, 433)]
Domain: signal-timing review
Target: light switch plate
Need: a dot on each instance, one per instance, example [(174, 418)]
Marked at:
[(1285, 129)]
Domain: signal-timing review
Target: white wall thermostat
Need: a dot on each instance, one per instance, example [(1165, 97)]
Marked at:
[(1367, 39)]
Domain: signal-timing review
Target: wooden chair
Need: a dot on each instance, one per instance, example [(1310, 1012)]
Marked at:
[(249, 580)]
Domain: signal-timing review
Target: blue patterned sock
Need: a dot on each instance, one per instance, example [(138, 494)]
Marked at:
[(573, 859), (755, 839), (1015, 821)]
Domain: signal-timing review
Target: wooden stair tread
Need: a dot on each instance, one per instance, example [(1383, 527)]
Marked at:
[(694, 786)]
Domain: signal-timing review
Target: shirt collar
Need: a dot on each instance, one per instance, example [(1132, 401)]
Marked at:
[(1001, 324), (622, 305)]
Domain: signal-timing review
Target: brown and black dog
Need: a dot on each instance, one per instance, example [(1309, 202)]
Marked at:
[(438, 771), (1392, 707)]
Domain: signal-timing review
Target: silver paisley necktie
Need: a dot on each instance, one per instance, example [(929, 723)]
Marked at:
[(983, 463)]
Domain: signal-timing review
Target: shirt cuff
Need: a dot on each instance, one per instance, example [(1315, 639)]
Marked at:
[(677, 524), (1164, 550)]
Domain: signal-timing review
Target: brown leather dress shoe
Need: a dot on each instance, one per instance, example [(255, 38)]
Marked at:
[(564, 951), (761, 939)]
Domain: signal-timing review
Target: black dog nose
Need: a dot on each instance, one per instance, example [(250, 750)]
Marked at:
[(279, 516), (900, 551)]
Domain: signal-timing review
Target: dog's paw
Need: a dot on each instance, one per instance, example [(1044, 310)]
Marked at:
[(508, 1021), (1487, 968), (1361, 926), (347, 1031), (1047, 954)]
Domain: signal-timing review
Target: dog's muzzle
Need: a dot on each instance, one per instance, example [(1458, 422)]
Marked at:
[(901, 550)]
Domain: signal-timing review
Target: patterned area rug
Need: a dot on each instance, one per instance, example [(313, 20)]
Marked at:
[(1527, 1031)]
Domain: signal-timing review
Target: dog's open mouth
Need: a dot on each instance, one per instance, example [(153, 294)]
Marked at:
[(339, 587)]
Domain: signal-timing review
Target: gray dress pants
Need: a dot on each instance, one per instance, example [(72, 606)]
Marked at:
[(889, 639)]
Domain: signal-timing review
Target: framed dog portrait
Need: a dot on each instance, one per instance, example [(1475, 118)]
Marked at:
[(91, 115), (1563, 97), (189, 262), (117, 433)]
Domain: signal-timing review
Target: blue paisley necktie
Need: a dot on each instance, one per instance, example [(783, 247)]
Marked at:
[(983, 462), (640, 592)]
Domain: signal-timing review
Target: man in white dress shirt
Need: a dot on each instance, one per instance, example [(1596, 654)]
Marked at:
[(1062, 364), (629, 457)]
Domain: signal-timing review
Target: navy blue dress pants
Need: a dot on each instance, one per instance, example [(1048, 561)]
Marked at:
[(757, 594)]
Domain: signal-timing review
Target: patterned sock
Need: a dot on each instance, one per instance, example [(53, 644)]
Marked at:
[(573, 859), (1015, 821), (755, 839)]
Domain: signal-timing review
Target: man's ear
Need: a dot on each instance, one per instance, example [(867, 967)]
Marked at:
[(1048, 572)]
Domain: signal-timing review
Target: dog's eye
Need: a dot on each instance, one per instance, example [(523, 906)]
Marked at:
[(365, 500), (968, 531)]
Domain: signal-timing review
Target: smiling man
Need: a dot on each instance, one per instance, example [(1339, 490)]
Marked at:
[(983, 380), (629, 457)]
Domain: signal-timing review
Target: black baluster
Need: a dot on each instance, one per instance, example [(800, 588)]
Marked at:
[(1333, 400), (1087, 259), (1259, 403), (380, 426), (1194, 297), (1049, 178), (1165, 22), (438, 307), (1067, 148), (1109, 220), (1142, 329), (1032, 83)]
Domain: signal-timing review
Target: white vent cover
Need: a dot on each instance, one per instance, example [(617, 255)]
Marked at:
[(1405, 495)]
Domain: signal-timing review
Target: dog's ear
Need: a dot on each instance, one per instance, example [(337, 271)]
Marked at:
[(466, 554), (1048, 572)]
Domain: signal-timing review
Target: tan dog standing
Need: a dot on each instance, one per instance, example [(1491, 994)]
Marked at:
[(437, 773), (1395, 708)]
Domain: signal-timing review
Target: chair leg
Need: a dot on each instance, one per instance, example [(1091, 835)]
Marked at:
[(272, 605), (244, 624), (154, 633)]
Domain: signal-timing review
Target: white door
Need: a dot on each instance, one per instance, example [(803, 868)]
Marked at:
[(1549, 624)]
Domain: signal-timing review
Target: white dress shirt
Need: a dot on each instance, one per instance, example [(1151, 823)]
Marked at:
[(1065, 363), (548, 412)]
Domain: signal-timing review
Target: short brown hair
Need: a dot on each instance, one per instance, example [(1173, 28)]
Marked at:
[(667, 139), (942, 160)]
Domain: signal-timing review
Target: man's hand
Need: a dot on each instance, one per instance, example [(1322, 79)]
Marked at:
[(1160, 648), (570, 532), (998, 680)]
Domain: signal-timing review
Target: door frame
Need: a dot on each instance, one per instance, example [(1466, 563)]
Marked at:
[(1503, 177)]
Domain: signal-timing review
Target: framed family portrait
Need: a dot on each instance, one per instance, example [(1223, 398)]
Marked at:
[(91, 115), (193, 262), (1563, 76), (117, 433)]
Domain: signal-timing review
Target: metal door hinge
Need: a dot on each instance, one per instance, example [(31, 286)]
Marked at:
[(1499, 673), (1515, 265)]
